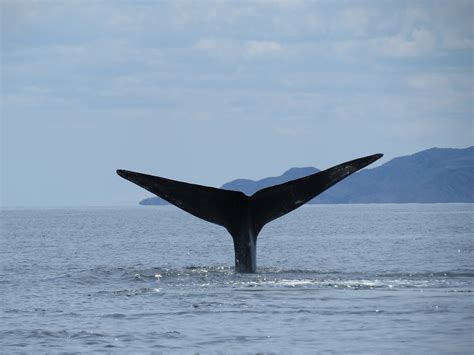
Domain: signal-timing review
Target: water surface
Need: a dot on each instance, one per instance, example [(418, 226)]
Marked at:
[(331, 278)]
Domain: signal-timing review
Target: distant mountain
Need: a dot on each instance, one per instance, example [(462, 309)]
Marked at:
[(433, 175), (249, 187), (153, 201)]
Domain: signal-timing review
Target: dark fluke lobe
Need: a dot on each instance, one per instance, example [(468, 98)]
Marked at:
[(244, 216)]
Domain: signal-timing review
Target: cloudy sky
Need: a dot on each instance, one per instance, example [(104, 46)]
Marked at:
[(210, 91)]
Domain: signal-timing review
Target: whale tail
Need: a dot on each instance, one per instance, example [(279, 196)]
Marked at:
[(244, 216), (213, 205)]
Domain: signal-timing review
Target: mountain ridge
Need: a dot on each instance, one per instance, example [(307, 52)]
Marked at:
[(433, 175)]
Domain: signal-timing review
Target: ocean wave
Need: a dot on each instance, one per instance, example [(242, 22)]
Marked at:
[(158, 279)]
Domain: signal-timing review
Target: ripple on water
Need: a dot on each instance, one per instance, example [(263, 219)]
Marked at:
[(101, 280), (159, 279)]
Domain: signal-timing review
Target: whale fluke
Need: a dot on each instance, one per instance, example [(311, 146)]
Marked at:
[(208, 203), (244, 216)]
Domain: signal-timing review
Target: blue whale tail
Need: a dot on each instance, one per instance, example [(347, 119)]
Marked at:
[(244, 216)]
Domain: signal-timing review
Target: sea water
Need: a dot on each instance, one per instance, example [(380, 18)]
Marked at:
[(331, 279)]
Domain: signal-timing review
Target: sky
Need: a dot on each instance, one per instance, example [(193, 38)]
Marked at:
[(210, 91)]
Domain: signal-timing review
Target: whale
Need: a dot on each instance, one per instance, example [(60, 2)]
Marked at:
[(244, 216)]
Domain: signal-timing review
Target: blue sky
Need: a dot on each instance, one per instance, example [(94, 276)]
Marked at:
[(210, 91)]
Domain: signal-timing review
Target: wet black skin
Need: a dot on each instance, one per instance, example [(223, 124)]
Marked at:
[(244, 216)]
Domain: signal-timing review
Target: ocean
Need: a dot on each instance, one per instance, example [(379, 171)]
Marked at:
[(358, 279)]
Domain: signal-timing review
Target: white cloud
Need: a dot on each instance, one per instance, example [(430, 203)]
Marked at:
[(290, 131), (217, 48), (357, 20), (418, 42), (212, 45), (444, 82), (456, 41), (231, 49), (261, 48)]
